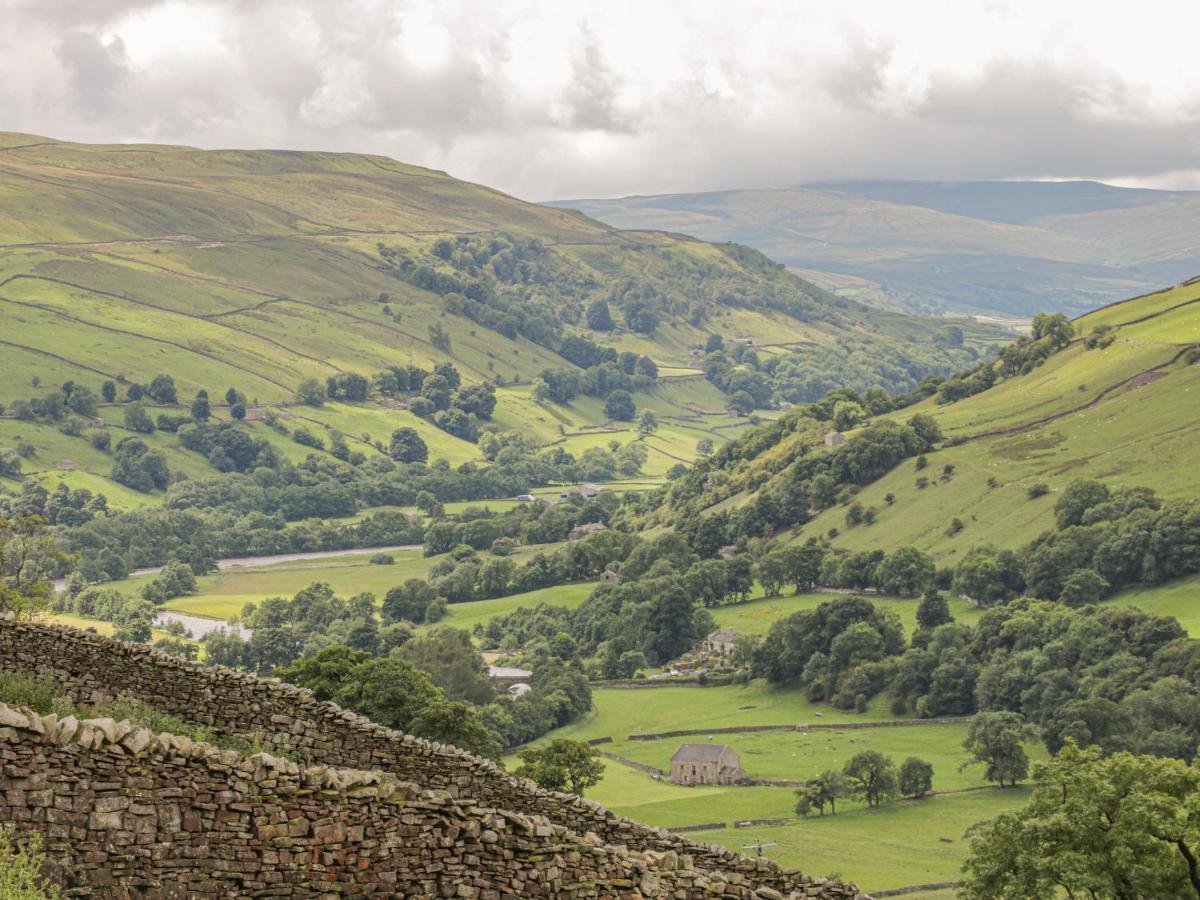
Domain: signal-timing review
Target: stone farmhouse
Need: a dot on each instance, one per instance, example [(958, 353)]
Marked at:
[(706, 764)]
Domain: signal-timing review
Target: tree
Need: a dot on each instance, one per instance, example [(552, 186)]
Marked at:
[(1056, 329), (457, 723), (1084, 586), (772, 571), (407, 602), (704, 447), (907, 571), (647, 423), (562, 765), (988, 575), (389, 691), (233, 395), (825, 790), (742, 403), (1077, 499), (873, 776), (200, 407), (28, 560), (108, 391), (439, 337), (324, 672), (162, 389), (598, 316), (452, 662), (237, 410), (541, 390), (933, 610), (407, 446), (995, 739), (916, 777), (926, 428), (137, 419), (1121, 826), (847, 414), (311, 391), (619, 405)]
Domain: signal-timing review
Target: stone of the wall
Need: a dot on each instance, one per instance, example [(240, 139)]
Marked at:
[(129, 813), (91, 668)]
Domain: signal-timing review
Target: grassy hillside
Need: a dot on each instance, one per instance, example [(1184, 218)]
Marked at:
[(259, 269), (1002, 249), (1121, 413)]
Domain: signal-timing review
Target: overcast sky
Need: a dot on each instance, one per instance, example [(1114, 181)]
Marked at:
[(572, 98)]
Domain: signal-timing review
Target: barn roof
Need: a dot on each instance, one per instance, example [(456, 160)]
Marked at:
[(699, 752)]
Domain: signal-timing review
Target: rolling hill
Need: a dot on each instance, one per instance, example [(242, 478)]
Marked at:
[(1124, 414), (1003, 249), (257, 270)]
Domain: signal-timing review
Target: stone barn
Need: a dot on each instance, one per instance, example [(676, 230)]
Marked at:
[(706, 764)]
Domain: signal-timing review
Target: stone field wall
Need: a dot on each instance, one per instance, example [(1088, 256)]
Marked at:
[(176, 818)]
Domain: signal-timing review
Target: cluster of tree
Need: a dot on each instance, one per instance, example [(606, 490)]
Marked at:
[(70, 398), (870, 775), (136, 466), (1117, 678), (801, 484), (1050, 333), (614, 373), (651, 616), (1106, 539), (229, 448), (109, 547), (909, 370), (65, 506), (132, 616), (175, 580), (508, 283)]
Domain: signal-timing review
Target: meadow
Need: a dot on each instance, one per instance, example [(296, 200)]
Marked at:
[(903, 843)]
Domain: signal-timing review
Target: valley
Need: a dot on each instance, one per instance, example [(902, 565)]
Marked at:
[(501, 477)]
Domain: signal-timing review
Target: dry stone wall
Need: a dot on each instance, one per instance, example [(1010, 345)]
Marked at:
[(44, 779)]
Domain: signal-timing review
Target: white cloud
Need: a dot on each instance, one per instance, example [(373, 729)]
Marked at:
[(596, 97)]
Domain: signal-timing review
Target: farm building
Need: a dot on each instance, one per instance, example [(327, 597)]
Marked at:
[(608, 576), (720, 642), (506, 677), (834, 439), (706, 764), (581, 531)]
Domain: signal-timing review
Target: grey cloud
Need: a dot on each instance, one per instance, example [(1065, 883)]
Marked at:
[(96, 71), (313, 75)]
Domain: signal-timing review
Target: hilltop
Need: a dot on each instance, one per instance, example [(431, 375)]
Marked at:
[(1003, 249), (258, 270)]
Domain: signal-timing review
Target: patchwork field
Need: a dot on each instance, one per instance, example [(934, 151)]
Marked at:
[(907, 842)]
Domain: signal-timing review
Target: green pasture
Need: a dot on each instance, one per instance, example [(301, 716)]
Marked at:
[(757, 616), (909, 842), (479, 612), (1178, 599), (620, 712), (801, 755)]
